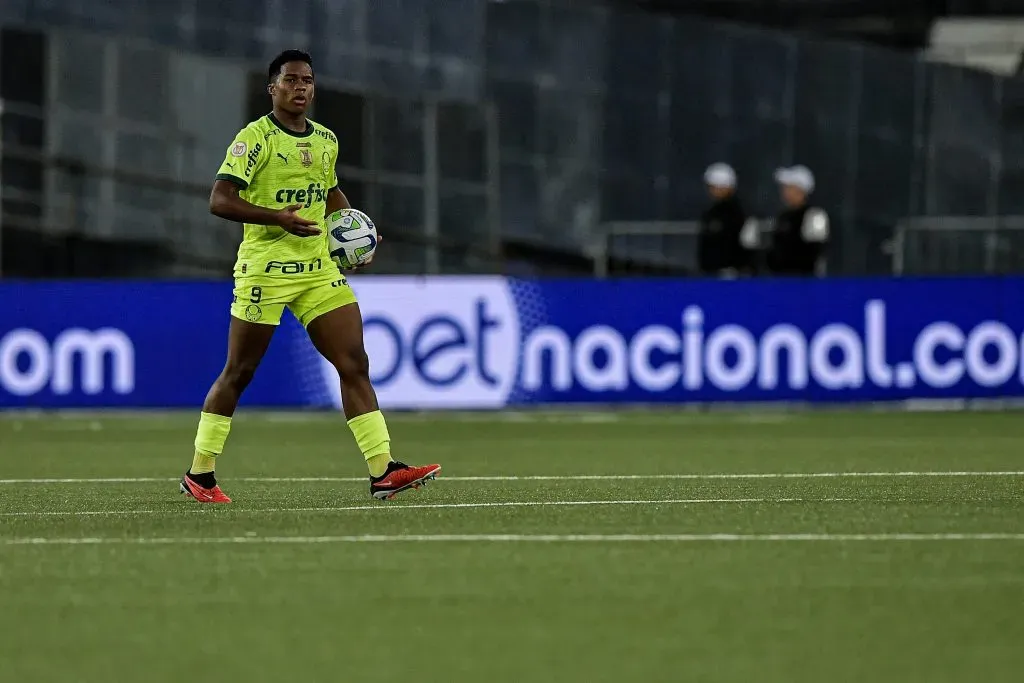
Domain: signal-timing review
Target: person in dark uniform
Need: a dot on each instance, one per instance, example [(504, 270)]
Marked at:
[(800, 233), (720, 251)]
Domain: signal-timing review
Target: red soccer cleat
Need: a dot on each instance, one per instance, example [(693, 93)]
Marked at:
[(214, 495), (400, 477)]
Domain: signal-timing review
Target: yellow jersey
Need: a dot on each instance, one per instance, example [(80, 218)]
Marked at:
[(275, 168)]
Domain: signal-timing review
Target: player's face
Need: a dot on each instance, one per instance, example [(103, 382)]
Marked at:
[(793, 196), (293, 89), (718, 192)]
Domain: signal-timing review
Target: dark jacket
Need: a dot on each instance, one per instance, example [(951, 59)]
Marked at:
[(718, 245), (798, 242)]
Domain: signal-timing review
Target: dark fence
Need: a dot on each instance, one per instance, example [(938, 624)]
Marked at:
[(609, 114)]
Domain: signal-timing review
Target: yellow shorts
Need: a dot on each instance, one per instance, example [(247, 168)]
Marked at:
[(263, 299)]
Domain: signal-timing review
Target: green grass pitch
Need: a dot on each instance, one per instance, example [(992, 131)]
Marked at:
[(618, 547)]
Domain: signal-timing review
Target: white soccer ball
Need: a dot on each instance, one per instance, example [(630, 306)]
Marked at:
[(352, 238)]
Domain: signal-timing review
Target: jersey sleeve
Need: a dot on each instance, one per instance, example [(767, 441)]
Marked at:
[(244, 158)]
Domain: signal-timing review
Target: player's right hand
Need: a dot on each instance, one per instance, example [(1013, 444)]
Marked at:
[(292, 222)]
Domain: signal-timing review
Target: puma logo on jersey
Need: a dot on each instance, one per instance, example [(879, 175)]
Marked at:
[(284, 157)]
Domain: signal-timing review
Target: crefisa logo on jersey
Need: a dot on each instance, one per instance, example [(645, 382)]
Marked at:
[(314, 192), (254, 155)]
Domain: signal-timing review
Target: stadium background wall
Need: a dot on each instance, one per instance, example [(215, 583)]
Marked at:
[(491, 342)]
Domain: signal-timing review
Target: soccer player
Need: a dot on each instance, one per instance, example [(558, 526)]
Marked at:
[(279, 180)]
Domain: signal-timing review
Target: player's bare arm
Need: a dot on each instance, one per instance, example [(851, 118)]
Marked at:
[(226, 203), (336, 201)]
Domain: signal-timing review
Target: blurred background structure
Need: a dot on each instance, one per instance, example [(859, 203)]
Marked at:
[(519, 136)]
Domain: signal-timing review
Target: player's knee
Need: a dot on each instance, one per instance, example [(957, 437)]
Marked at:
[(353, 366), (239, 373)]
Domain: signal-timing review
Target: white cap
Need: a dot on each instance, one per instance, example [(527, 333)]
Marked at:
[(797, 176), (720, 175)]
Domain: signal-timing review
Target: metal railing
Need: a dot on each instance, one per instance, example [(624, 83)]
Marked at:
[(958, 245), (644, 245), (65, 214), (920, 245), (661, 246)]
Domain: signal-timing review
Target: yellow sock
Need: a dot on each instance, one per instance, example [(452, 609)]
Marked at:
[(203, 462), (372, 436), (210, 438), (378, 464)]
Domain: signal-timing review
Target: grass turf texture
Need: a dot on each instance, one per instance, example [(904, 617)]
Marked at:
[(285, 589)]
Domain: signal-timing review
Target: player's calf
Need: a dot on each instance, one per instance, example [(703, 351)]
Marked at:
[(353, 366), (226, 391), (237, 375)]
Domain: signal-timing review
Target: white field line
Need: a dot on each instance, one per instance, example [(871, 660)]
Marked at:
[(385, 506), (548, 477), (521, 538)]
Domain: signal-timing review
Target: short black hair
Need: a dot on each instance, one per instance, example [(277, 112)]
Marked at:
[(287, 56)]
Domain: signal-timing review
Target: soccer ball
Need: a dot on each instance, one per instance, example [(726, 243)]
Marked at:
[(352, 238)]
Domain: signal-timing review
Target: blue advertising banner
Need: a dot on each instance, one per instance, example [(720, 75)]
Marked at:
[(127, 344), (490, 342)]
